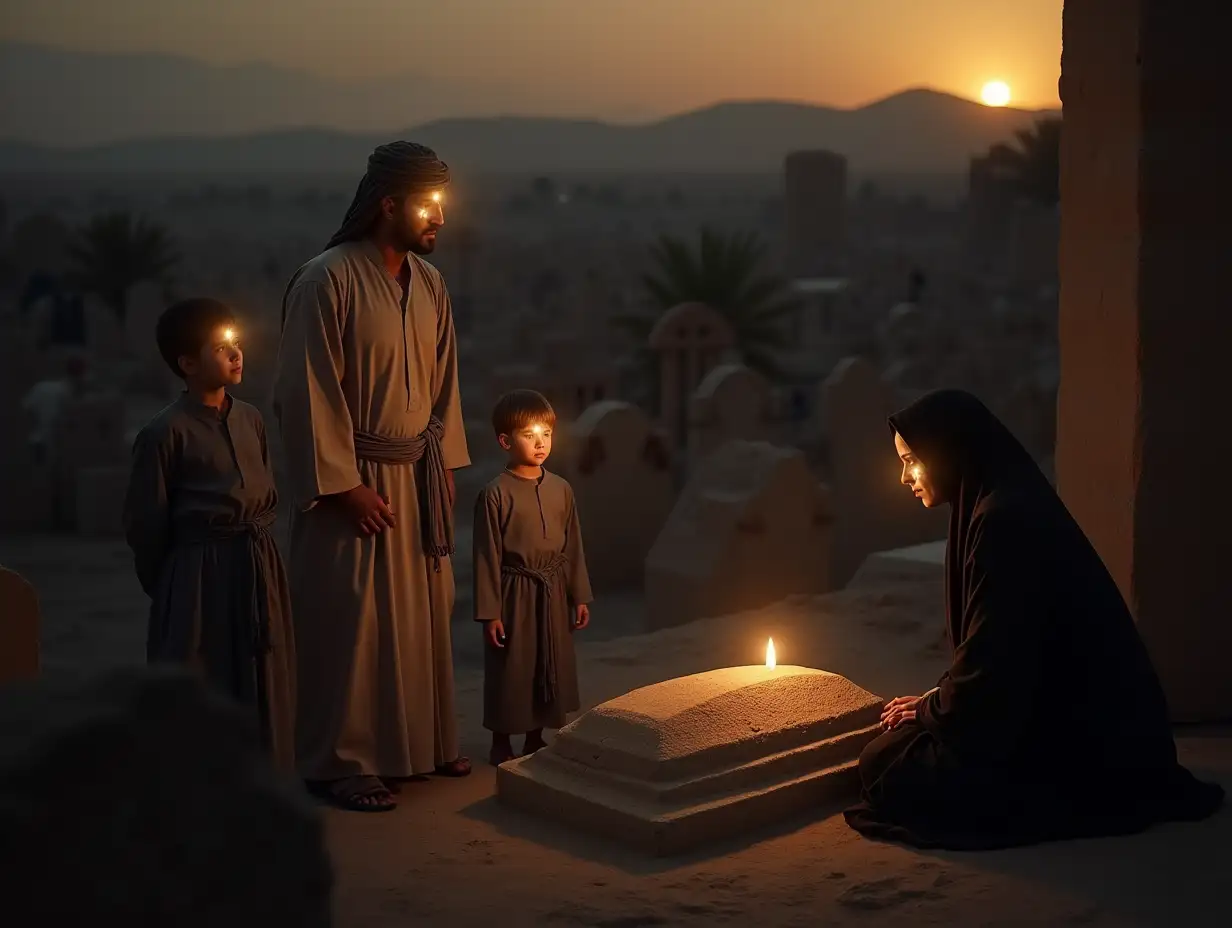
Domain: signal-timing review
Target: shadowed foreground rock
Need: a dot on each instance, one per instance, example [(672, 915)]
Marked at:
[(139, 798)]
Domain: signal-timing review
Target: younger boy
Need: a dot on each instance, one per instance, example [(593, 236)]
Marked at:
[(197, 516), (531, 586)]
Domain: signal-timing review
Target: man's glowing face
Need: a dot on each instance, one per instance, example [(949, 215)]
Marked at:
[(529, 446), (417, 219)]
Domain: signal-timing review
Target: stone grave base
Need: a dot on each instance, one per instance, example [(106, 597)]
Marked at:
[(697, 759)]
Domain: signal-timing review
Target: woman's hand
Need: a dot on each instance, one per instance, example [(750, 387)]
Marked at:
[(897, 711)]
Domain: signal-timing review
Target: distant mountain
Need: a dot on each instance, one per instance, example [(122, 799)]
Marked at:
[(58, 97), (222, 120)]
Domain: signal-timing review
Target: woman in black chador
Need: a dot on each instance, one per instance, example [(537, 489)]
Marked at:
[(1050, 722)]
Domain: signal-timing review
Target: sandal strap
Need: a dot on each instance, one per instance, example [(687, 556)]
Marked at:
[(359, 787)]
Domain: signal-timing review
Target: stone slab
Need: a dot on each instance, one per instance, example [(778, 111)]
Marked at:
[(697, 759), (917, 562)]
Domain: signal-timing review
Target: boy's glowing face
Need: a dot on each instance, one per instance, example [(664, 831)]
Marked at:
[(219, 363), (529, 446)]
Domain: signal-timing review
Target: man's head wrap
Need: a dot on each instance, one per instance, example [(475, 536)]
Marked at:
[(394, 170)]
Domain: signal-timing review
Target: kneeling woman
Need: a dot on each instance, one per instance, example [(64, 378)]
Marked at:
[(1050, 722)]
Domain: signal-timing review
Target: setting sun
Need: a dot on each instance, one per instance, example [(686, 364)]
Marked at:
[(995, 93)]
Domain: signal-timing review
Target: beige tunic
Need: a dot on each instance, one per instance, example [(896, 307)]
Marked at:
[(530, 572), (371, 613), (197, 515)]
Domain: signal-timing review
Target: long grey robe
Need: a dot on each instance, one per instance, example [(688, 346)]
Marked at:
[(530, 572), (371, 613), (197, 515)]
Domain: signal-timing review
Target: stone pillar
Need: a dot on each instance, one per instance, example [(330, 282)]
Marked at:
[(1142, 454)]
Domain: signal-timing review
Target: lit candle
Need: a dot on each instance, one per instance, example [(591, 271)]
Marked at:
[(770, 658)]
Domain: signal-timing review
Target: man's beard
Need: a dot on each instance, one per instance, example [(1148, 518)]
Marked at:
[(420, 244), (423, 246)]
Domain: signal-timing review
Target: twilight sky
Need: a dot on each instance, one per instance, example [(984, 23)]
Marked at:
[(608, 58)]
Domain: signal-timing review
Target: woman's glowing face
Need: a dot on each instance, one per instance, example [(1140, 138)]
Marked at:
[(915, 476)]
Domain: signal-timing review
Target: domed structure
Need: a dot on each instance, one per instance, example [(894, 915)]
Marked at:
[(700, 758)]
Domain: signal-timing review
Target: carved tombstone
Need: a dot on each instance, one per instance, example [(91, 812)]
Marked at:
[(19, 627), (578, 374), (620, 470), (751, 527), (732, 403), (873, 510), (688, 340)]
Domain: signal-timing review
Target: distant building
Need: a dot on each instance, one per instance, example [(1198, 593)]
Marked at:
[(815, 209)]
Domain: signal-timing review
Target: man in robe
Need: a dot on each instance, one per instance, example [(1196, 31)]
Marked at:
[(366, 396)]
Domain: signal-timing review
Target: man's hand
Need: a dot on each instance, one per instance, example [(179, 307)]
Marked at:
[(370, 511), (581, 617), (494, 633), (897, 711), (450, 490)]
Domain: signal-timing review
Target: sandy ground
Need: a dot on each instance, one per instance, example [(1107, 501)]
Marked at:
[(450, 855)]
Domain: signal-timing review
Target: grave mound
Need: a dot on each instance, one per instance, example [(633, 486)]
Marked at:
[(700, 758)]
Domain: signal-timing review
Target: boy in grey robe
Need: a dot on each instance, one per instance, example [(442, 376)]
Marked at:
[(532, 589), (197, 516)]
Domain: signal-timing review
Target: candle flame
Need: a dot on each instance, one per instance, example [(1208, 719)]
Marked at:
[(771, 662)]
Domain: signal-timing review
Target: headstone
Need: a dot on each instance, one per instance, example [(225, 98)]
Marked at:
[(694, 760), (174, 816), (577, 374), (873, 510), (689, 340), (751, 527), (732, 403), (19, 627), (619, 466)]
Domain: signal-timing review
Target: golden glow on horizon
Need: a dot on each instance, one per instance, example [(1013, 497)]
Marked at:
[(513, 54), (995, 93)]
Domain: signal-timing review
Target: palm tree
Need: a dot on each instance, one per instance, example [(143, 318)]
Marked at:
[(1034, 162), (115, 251), (726, 274)]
